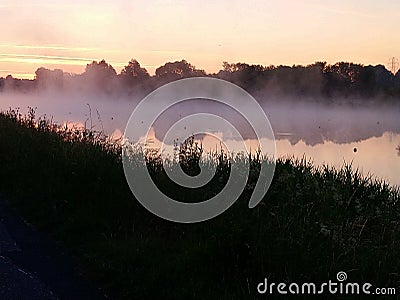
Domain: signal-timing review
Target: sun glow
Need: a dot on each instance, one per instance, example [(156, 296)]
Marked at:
[(206, 33)]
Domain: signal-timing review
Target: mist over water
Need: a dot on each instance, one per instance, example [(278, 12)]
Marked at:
[(367, 137)]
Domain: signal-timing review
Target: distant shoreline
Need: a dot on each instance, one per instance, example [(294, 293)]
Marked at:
[(343, 80)]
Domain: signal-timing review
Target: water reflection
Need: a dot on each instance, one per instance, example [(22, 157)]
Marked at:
[(326, 134), (373, 156)]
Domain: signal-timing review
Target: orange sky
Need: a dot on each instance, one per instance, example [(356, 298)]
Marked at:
[(70, 34)]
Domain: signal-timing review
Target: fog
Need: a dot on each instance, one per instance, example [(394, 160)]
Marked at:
[(330, 134), (313, 123)]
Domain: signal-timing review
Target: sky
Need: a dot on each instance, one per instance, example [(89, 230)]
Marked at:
[(70, 34)]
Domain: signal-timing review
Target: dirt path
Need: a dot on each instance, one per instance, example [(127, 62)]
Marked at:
[(34, 267)]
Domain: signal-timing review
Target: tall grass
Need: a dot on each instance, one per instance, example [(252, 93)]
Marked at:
[(313, 222)]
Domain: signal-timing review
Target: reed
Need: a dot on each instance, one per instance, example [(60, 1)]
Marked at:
[(312, 223)]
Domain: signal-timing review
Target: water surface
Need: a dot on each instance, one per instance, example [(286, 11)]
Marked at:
[(333, 135)]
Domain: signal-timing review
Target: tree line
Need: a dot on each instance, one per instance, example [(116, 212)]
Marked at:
[(318, 80)]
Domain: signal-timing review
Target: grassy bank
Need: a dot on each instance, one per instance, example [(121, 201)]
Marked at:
[(313, 222)]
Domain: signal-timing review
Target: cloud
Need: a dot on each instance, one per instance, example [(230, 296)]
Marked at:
[(50, 47), (40, 58)]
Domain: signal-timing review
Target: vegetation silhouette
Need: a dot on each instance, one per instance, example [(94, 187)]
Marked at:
[(318, 81), (312, 223)]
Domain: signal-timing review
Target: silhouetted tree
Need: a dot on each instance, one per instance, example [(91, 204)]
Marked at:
[(101, 75), (133, 76), (247, 76), (340, 78), (46, 78), (384, 79), (318, 80), (133, 72), (176, 70), (18, 85), (397, 83)]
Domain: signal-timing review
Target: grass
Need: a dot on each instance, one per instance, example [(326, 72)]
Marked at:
[(313, 222)]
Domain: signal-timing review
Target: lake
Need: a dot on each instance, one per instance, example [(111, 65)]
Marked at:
[(365, 137)]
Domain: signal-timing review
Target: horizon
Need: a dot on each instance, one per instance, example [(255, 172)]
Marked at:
[(68, 36), (152, 74)]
